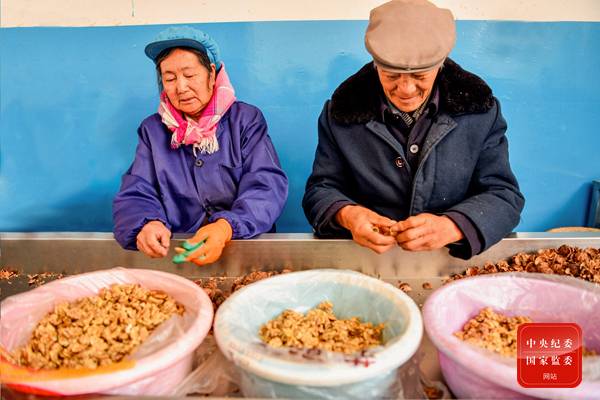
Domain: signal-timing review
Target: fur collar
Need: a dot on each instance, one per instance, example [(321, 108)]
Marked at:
[(357, 101)]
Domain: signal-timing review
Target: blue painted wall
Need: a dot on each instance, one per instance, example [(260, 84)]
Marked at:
[(72, 98)]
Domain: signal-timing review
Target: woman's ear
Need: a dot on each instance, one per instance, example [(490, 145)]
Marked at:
[(213, 75)]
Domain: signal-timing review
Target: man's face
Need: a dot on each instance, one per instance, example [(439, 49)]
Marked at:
[(407, 91)]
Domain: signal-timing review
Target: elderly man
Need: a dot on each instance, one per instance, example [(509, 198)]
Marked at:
[(412, 148)]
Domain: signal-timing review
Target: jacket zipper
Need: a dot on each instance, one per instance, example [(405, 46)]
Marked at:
[(420, 166)]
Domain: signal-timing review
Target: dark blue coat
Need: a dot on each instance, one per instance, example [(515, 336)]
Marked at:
[(464, 165), (242, 182)]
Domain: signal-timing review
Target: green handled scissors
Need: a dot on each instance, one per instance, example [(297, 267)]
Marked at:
[(190, 248)]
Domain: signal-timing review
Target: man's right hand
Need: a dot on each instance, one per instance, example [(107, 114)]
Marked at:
[(154, 239), (365, 226)]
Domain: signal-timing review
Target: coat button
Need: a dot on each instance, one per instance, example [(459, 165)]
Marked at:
[(199, 163), (399, 162), (414, 149)]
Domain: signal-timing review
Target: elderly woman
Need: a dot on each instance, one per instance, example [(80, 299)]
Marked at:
[(412, 148), (204, 163)]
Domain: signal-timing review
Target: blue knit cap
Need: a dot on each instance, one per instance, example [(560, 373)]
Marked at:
[(184, 36)]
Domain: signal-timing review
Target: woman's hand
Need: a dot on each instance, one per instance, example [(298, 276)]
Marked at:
[(426, 232), (366, 226), (214, 236), (154, 239)]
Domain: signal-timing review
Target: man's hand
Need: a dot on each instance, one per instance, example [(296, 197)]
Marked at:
[(366, 226), (426, 232), (154, 239)]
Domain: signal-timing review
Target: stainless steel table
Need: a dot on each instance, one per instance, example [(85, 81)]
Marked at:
[(73, 253)]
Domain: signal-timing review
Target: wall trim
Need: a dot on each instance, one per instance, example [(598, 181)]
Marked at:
[(25, 13)]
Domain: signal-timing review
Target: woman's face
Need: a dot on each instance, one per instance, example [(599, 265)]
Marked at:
[(187, 83)]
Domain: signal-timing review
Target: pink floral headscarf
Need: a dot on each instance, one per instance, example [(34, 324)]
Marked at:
[(202, 134)]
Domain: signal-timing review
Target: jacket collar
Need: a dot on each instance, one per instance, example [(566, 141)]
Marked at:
[(357, 99)]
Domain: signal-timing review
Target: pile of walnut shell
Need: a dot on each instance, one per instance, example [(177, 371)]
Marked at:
[(565, 260)]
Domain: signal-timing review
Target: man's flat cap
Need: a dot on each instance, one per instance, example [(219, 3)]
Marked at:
[(410, 35)]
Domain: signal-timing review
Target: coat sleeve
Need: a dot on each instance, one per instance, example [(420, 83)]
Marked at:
[(137, 201), (495, 202), (324, 194), (263, 186)]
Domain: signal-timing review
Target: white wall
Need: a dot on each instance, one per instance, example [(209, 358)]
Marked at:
[(17, 13)]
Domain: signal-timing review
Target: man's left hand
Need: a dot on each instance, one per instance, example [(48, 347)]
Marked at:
[(426, 232)]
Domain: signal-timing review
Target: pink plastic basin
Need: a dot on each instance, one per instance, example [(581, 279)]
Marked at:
[(157, 374), (475, 373)]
